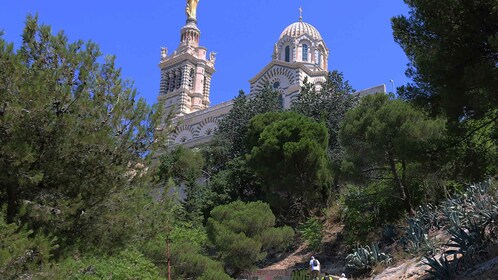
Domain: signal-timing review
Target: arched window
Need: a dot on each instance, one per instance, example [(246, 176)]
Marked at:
[(318, 58), (305, 52), (287, 54)]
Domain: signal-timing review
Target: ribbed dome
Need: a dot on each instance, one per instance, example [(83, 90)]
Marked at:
[(300, 28)]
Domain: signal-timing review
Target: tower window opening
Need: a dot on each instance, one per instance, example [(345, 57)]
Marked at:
[(178, 81), (287, 54), (305, 52), (171, 85), (166, 81), (191, 79)]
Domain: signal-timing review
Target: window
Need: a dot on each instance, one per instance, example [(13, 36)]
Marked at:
[(287, 54), (305, 52), (318, 58), (191, 79)]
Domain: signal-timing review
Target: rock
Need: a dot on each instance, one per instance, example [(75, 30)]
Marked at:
[(409, 270)]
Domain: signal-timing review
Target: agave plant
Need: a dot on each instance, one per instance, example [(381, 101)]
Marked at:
[(364, 258), (471, 219), (416, 239), (443, 268), (429, 216)]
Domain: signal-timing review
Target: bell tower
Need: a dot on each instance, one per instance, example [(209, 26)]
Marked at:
[(186, 73)]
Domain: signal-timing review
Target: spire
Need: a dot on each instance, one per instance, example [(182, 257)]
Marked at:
[(300, 14)]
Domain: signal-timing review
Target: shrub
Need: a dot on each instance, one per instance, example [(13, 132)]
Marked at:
[(128, 264), (240, 233), (312, 232), (367, 208)]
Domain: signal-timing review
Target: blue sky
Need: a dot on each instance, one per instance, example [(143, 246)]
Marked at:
[(357, 32)]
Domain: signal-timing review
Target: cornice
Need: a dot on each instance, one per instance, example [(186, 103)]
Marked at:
[(291, 65)]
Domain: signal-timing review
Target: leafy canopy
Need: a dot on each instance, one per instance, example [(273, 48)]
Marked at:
[(288, 154), (72, 132), (453, 51), (383, 136)]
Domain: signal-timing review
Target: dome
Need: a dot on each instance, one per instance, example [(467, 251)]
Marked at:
[(299, 28)]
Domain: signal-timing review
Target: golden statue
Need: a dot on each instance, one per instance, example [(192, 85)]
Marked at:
[(191, 9)]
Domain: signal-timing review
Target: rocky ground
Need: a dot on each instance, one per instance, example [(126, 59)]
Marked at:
[(334, 253)]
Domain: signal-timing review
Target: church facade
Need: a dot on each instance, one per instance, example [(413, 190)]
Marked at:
[(300, 53)]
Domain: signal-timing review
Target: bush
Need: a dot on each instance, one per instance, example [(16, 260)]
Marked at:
[(240, 233), (186, 251), (368, 208), (128, 264), (312, 232)]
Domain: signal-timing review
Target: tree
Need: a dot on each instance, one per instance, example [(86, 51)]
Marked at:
[(453, 51), (288, 154), (185, 167), (243, 233), (384, 136), (72, 132), (329, 104), (233, 127)]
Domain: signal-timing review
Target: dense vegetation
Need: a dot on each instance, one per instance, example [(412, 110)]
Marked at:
[(87, 191)]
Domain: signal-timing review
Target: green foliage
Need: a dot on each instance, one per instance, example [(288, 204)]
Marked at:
[(236, 182), (362, 259), (453, 49), (130, 217), (367, 208), (128, 264), (389, 140), (181, 164), (184, 167), (187, 252), (72, 132), (233, 127), (240, 233), (329, 104), (473, 149), (23, 252), (312, 232), (288, 154), (188, 263)]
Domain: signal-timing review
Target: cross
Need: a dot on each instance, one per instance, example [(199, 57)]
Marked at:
[(300, 14)]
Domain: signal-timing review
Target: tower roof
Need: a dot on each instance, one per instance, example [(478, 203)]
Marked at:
[(299, 28)]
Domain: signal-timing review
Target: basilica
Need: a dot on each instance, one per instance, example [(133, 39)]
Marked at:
[(186, 74)]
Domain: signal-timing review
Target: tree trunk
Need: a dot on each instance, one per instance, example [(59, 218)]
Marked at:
[(12, 203), (405, 195)]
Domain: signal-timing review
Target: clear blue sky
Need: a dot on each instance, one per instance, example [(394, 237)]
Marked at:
[(357, 32)]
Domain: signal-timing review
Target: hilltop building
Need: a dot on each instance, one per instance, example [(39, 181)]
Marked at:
[(186, 74)]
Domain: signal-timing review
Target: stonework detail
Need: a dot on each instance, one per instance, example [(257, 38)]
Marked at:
[(300, 54), (186, 74)]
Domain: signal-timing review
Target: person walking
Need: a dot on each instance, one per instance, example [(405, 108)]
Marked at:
[(314, 268)]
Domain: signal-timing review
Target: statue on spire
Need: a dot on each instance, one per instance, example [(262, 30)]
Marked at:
[(191, 9), (300, 14)]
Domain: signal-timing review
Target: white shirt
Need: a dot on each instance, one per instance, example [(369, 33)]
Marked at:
[(315, 267)]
